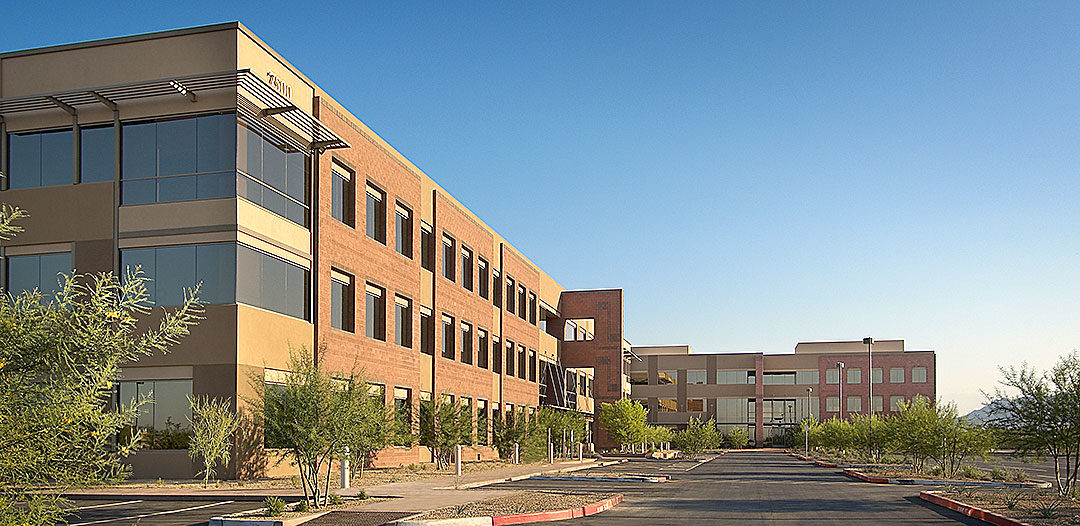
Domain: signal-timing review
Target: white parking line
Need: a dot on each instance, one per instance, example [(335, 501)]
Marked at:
[(105, 505), (145, 515)]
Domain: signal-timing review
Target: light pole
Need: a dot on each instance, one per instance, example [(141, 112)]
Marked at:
[(870, 361), (810, 417), (840, 383)]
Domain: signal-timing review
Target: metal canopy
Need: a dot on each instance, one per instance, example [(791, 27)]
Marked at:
[(269, 101)]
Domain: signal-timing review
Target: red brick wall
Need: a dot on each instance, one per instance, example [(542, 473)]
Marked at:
[(884, 361)]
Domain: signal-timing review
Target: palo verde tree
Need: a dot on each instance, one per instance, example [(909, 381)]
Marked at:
[(60, 359), (624, 420), (443, 426), (213, 424), (369, 428)]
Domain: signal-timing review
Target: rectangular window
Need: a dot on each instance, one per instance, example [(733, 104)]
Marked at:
[(832, 376), (639, 377), (521, 302), (403, 233), (427, 247), (582, 383), (482, 277), (854, 375), (448, 337), (171, 270), (168, 404), (696, 377), (854, 404), (481, 422), (877, 401), (449, 253), (667, 405), (806, 377), (97, 154), (342, 195), (427, 331), (496, 289), (403, 415), (695, 404), (376, 214), (272, 174), (271, 283), (895, 402), (875, 375), (482, 348), (341, 300), (731, 410), (510, 294), (496, 355), (403, 321), (466, 343), (896, 375), (509, 358), (918, 375), (522, 369), (731, 377), (375, 310), (41, 272), (466, 269), (532, 308), (532, 365), (778, 378), (832, 404), (40, 159), (667, 377)]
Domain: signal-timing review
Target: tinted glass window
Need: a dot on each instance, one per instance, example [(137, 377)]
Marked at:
[(97, 154), (41, 272), (175, 272), (139, 151), (215, 143), (56, 159), (215, 267), (40, 159), (24, 160), (172, 270), (271, 283), (176, 147)]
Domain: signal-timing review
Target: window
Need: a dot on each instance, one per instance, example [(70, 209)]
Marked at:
[(875, 375), (482, 277), (403, 321), (427, 331), (272, 174), (466, 343), (667, 377), (466, 269), (896, 375), (667, 405), (167, 406), (832, 376), (582, 383), (97, 154), (427, 247), (376, 214), (403, 230), (481, 422), (696, 377), (496, 288), (342, 195), (403, 416), (172, 269), (41, 272), (270, 282), (532, 308), (854, 375), (854, 403), (571, 381), (375, 309), (731, 410), (341, 300), (731, 377), (521, 367), (876, 403), (639, 377), (806, 377), (695, 404), (778, 378), (832, 404), (532, 365), (40, 159), (510, 294), (448, 337), (521, 302), (509, 358), (448, 257), (895, 402), (918, 375), (496, 355), (482, 348)]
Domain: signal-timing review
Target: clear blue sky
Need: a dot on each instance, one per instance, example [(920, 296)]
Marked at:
[(751, 174)]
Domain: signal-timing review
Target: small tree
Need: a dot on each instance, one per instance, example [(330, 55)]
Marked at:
[(444, 426), (624, 420), (368, 429), (696, 438), (212, 426), (914, 431)]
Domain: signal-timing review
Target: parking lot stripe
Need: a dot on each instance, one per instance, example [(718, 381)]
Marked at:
[(80, 508), (145, 515)]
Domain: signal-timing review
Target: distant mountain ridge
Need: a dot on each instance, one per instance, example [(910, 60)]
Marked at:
[(981, 415)]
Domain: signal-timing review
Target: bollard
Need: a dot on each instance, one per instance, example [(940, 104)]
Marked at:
[(457, 460), (517, 457), (580, 452), (551, 453), (345, 474)]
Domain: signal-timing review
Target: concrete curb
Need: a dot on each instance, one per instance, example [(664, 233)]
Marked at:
[(971, 511), (627, 478), (240, 521), (863, 476), (523, 518), (516, 478)]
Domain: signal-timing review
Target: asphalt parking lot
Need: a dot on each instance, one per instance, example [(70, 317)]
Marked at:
[(157, 512), (1039, 470)]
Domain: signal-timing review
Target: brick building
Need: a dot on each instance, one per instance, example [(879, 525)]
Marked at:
[(767, 393), (202, 155)]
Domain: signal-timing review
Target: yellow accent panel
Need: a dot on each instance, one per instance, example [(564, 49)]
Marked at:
[(265, 337), (272, 228)]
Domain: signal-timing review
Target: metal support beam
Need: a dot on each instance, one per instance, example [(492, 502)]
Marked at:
[(62, 105), (266, 112), (108, 103), (183, 90), (3, 155)]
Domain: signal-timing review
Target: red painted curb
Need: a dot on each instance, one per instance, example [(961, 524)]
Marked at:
[(970, 511), (863, 476), (824, 464), (557, 515)]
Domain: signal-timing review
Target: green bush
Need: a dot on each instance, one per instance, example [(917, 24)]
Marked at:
[(971, 472), (334, 499), (999, 474), (362, 495), (275, 506)]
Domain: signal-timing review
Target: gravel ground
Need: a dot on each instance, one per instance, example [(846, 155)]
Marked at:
[(1037, 508), (347, 503), (523, 502)]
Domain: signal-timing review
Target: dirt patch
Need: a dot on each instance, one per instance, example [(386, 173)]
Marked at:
[(1038, 508), (523, 502)]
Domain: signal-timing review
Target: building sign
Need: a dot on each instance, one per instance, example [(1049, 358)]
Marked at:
[(279, 85)]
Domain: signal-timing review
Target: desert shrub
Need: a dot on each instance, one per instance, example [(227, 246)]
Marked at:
[(275, 506)]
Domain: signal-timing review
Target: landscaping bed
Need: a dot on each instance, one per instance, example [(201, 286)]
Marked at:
[(517, 503), (1037, 508), (295, 512), (969, 474)]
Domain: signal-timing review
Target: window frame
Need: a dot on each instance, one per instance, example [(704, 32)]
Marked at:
[(347, 307), (375, 216), (403, 229), (375, 311), (347, 183), (403, 330)]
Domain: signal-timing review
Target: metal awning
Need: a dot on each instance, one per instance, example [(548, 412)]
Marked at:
[(268, 101)]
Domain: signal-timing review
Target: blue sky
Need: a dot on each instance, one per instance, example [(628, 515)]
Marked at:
[(751, 174)]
